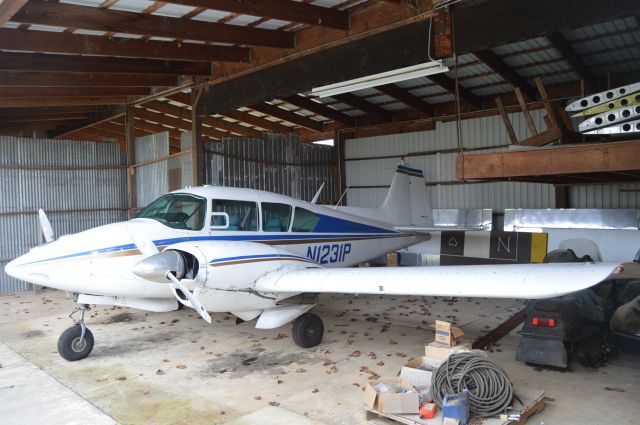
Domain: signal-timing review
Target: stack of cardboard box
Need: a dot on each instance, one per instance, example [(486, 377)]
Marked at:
[(414, 381)]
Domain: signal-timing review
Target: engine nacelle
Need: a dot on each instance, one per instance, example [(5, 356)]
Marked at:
[(234, 266)]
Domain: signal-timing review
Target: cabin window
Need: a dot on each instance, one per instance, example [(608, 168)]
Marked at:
[(234, 215), (275, 217), (177, 210), (304, 220)]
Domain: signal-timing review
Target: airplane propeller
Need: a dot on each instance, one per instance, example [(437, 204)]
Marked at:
[(165, 267), (45, 226)]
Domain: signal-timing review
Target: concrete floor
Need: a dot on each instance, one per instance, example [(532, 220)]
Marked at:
[(172, 368)]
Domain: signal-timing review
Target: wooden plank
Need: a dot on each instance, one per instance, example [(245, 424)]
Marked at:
[(50, 42), (27, 102), (541, 139), (552, 161), (72, 91), (485, 341), (67, 63), (365, 106), (289, 116), (525, 112), (394, 128), (279, 9), (8, 8), (83, 79), (547, 104), (506, 121), (109, 20)]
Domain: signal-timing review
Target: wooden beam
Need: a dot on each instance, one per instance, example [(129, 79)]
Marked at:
[(8, 8), (83, 79), (320, 109), (28, 102), (498, 66), (130, 140), (67, 63), (50, 42), (34, 118), (506, 121), (557, 160), (407, 98), (375, 54), (109, 20), (197, 145), (497, 22), (283, 10), (561, 44), (289, 116), (547, 103), (109, 114), (46, 111), (72, 91), (179, 123), (365, 106), (450, 85), (386, 129)]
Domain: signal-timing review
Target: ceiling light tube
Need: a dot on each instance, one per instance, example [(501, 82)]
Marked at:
[(388, 77)]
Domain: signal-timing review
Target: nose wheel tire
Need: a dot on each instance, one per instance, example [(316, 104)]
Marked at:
[(307, 330), (72, 346)]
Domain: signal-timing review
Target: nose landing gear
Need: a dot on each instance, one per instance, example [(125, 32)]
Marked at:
[(76, 342)]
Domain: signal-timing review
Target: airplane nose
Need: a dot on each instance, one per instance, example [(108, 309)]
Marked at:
[(12, 269)]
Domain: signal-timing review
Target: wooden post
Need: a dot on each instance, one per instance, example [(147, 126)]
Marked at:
[(130, 141), (562, 196), (197, 146), (507, 123)]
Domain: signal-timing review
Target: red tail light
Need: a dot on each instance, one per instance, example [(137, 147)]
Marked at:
[(543, 321)]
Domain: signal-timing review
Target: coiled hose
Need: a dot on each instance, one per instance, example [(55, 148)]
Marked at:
[(490, 390)]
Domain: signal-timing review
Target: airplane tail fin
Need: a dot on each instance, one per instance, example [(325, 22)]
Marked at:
[(407, 201)]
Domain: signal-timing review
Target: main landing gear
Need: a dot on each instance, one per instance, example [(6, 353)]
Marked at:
[(76, 342), (307, 330)]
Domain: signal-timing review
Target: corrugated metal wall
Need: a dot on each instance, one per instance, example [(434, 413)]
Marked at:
[(605, 196), (277, 163), (152, 180), (369, 178), (80, 185)]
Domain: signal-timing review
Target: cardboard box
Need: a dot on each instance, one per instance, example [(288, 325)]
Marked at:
[(440, 352), (389, 402), (446, 334), (414, 376)]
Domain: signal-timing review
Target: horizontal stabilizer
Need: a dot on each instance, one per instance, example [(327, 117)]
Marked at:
[(529, 281), (416, 229)]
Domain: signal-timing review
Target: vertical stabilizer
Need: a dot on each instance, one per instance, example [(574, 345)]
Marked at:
[(407, 201)]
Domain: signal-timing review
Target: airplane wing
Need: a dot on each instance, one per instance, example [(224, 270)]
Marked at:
[(530, 281)]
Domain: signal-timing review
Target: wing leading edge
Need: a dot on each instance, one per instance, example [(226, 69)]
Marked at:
[(530, 281)]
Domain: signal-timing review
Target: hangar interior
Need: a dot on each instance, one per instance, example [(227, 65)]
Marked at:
[(106, 105)]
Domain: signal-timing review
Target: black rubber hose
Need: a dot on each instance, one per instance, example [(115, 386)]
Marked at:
[(490, 391)]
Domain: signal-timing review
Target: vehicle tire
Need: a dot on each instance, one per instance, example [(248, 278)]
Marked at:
[(307, 330), (71, 347)]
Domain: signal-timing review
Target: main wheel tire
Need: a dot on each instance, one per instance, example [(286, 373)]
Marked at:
[(71, 347), (307, 330)]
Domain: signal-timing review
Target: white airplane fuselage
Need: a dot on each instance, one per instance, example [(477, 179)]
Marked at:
[(100, 261)]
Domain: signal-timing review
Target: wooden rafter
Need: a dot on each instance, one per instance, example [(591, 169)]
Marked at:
[(498, 66), (288, 116), (365, 106), (569, 54), (72, 91), (83, 79), (96, 19), (450, 85), (29, 102), (321, 109), (279, 9), (45, 41), (66, 63), (8, 8), (407, 98)]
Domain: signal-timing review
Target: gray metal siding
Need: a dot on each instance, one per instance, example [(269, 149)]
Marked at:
[(61, 177)]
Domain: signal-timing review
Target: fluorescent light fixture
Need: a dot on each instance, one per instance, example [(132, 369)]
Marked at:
[(393, 76)]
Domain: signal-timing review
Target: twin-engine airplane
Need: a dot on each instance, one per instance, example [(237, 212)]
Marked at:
[(265, 256)]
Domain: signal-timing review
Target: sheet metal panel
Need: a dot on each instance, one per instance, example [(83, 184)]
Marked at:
[(279, 164), (56, 175), (152, 180)]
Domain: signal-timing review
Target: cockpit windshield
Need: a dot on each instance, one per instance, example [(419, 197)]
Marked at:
[(177, 210)]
